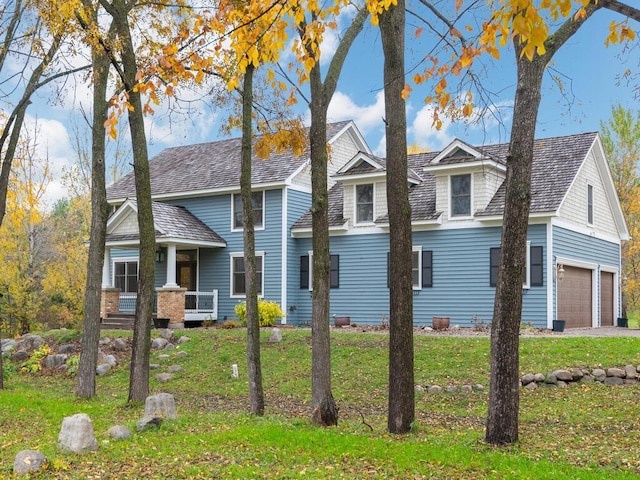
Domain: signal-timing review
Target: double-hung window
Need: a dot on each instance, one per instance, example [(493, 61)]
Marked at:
[(306, 271), (257, 206), (461, 195), (421, 268), (238, 285), (126, 276), (532, 275), (364, 203)]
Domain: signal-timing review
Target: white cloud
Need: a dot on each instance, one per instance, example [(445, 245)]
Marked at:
[(367, 117), (422, 131)]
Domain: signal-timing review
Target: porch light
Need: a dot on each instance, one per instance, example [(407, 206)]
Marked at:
[(560, 272)]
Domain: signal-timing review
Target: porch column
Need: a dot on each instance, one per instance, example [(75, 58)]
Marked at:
[(171, 305), (171, 267), (106, 265)]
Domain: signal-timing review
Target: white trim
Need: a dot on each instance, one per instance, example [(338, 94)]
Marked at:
[(527, 268), (310, 281), (572, 227), (465, 167), (289, 180), (373, 205), (352, 130), (359, 158), (359, 177), (233, 255), (456, 144), (161, 241), (264, 212), (551, 283), (417, 249), (284, 238), (455, 218)]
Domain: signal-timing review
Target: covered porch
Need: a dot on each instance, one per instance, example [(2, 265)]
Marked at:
[(180, 237)]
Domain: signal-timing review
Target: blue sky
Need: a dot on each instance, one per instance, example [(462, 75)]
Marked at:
[(589, 70)]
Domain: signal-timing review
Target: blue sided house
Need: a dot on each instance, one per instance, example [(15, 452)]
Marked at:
[(576, 228)]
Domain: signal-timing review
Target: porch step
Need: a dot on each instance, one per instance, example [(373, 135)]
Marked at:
[(118, 321)]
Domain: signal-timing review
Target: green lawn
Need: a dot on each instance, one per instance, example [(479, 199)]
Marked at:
[(586, 431)]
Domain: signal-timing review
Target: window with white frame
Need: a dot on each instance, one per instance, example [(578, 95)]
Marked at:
[(125, 276), (364, 203), (461, 195), (306, 271), (238, 284), (590, 204), (421, 268), (533, 269), (257, 206)]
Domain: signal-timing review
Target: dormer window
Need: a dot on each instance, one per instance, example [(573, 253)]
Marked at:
[(461, 195), (364, 203)]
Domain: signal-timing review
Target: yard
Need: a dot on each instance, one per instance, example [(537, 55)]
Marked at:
[(588, 430)]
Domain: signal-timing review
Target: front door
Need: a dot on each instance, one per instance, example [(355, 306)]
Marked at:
[(186, 274)]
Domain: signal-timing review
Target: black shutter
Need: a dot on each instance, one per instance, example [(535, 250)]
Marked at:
[(536, 267), (427, 268), (494, 265), (334, 273), (304, 271)]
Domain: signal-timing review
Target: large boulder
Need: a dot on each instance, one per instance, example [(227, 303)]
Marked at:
[(119, 432), (119, 344), (55, 361), (28, 461), (276, 336), (7, 345), (76, 434), (160, 405), (30, 342), (159, 343), (148, 422)]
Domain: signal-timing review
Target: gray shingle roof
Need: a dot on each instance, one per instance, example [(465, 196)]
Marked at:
[(207, 166), (173, 222), (555, 164)]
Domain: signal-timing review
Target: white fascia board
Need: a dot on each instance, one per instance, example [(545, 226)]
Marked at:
[(456, 144), (121, 214), (358, 157), (177, 241), (352, 130), (308, 231), (465, 167), (349, 179), (289, 180)]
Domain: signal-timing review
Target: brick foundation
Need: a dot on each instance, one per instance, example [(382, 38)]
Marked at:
[(109, 301), (171, 305)]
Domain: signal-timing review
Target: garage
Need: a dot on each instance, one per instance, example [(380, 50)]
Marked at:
[(606, 299), (575, 297)]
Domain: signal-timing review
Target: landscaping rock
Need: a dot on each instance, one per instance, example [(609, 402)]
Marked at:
[(68, 348), (183, 339), (531, 385), (276, 336), (563, 375), (76, 434), (28, 461), (166, 333), (154, 366), (164, 377), (587, 378), (434, 389), (148, 422), (181, 354), (163, 356), (466, 388), (629, 381), (551, 379), (104, 341), (119, 344), (419, 388), (175, 369), (169, 346), (54, 361), (616, 372), (528, 378), (562, 384), (613, 381), (119, 432), (7, 345), (478, 387), (539, 378), (630, 372), (103, 369), (451, 389), (20, 356), (29, 342), (160, 405), (159, 343), (577, 374), (599, 374)]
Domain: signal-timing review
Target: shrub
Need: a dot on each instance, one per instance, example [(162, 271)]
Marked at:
[(268, 312), (34, 364), (229, 324)]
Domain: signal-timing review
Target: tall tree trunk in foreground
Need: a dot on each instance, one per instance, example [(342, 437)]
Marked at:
[(86, 384), (401, 382), (254, 368), (139, 375), (502, 419), (324, 409)]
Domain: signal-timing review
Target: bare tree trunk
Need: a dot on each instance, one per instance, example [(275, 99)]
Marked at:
[(139, 376), (256, 393), (324, 409), (502, 418), (86, 385), (401, 382)]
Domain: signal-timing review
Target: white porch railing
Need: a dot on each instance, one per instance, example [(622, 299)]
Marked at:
[(201, 305), (128, 301)]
